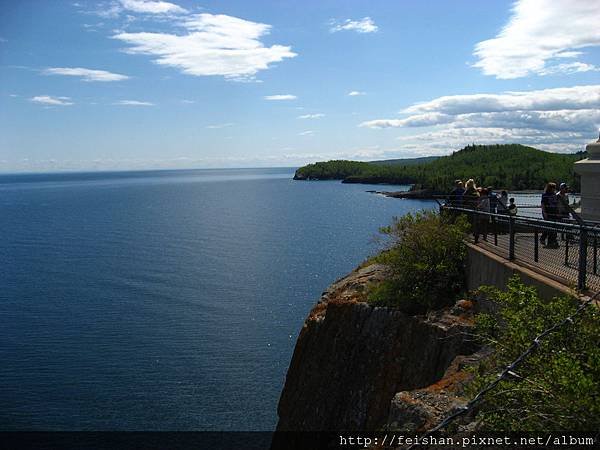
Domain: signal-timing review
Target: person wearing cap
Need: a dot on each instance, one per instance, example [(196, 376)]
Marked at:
[(550, 213)]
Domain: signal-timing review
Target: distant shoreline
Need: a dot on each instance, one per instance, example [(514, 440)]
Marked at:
[(419, 194), (425, 193)]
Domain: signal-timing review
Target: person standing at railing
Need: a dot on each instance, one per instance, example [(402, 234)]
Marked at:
[(493, 199), (455, 198), (503, 203), (550, 213), (470, 201), (563, 201), (482, 219), (512, 207), (470, 196), (563, 205)]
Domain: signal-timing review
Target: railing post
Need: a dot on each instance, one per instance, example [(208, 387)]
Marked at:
[(567, 250), (536, 245), (511, 241), (581, 279), (595, 254), (495, 231)]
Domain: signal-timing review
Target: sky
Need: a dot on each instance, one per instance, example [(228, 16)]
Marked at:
[(156, 84)]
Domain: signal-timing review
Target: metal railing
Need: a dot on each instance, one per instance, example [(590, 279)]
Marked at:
[(566, 250)]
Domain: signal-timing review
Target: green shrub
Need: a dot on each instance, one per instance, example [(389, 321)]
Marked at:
[(559, 388), (426, 255)]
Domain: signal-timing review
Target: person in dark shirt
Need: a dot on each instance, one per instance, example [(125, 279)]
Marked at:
[(455, 198), (563, 201), (502, 207), (550, 212)]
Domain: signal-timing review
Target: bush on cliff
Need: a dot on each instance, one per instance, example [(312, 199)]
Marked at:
[(559, 384), (426, 255)]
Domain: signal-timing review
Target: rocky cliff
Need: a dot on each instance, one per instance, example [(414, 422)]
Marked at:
[(362, 368)]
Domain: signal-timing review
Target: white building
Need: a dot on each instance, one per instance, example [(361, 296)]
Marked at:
[(589, 169)]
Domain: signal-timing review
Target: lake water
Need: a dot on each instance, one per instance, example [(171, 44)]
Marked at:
[(167, 300)]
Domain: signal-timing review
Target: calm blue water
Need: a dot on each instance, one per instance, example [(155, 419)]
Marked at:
[(166, 300)]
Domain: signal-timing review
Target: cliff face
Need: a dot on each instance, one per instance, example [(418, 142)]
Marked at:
[(351, 360)]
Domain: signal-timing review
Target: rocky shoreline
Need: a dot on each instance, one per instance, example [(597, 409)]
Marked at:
[(418, 194), (362, 368)]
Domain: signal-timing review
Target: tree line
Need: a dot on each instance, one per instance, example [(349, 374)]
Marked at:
[(503, 166)]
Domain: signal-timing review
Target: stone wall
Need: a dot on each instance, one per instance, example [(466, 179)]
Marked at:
[(487, 268)]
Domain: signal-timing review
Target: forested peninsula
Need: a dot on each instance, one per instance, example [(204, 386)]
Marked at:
[(503, 166)]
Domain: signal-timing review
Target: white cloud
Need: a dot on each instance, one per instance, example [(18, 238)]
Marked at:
[(356, 93), (492, 135), (574, 108), (51, 101), (311, 116), (111, 9), (418, 120), (447, 140), (579, 120), (132, 103), (560, 119), (584, 120), (364, 25), (213, 45), (219, 125), (93, 27), (539, 32), (306, 133), (85, 74), (152, 7), (187, 102), (281, 97), (568, 68), (106, 10), (577, 97)]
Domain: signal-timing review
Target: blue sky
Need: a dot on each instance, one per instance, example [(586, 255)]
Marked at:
[(140, 84)]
